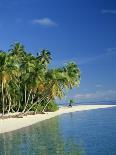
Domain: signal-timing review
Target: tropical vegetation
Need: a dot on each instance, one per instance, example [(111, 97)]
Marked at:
[(27, 83)]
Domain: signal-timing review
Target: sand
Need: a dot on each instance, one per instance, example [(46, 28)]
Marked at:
[(12, 124)]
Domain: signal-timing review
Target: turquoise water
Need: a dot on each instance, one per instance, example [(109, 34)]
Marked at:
[(89, 133)]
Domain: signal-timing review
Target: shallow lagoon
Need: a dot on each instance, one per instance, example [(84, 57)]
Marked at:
[(90, 133)]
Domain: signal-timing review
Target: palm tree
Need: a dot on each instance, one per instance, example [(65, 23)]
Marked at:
[(27, 82), (73, 74), (7, 73), (44, 57), (60, 79), (18, 50)]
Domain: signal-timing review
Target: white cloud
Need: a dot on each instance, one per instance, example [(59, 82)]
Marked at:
[(98, 95), (44, 22), (98, 85), (111, 51), (104, 11), (108, 52)]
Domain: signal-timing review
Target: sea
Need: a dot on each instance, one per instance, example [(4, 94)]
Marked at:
[(91, 132)]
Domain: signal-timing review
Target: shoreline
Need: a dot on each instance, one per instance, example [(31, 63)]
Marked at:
[(12, 124)]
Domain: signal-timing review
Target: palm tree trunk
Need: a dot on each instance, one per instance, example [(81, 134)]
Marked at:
[(9, 105), (19, 106), (33, 105), (27, 101), (39, 100), (3, 106), (25, 94), (46, 105)]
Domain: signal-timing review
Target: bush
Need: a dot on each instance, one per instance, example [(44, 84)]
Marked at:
[(37, 108), (52, 106)]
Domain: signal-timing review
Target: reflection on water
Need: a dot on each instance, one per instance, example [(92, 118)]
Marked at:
[(89, 132), (44, 138), (93, 130)]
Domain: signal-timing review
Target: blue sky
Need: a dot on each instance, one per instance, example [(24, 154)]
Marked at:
[(83, 31)]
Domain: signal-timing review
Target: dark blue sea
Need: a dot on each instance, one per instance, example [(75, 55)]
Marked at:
[(90, 132)]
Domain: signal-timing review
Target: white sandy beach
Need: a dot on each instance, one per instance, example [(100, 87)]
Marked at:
[(11, 124)]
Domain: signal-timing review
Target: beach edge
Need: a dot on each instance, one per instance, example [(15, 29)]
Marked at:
[(12, 124)]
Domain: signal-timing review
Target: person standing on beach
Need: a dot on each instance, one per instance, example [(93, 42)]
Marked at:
[(71, 102)]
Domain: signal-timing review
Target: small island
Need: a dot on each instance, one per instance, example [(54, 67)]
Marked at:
[(57, 77)]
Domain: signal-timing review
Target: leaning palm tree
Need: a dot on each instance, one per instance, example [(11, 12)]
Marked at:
[(61, 79), (73, 74), (26, 82)]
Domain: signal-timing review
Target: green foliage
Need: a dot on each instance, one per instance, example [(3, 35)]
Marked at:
[(52, 106), (27, 83), (37, 108)]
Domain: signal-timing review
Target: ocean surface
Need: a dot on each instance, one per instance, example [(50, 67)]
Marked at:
[(90, 132)]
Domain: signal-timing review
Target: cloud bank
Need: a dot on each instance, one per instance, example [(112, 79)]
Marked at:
[(98, 95), (109, 52), (105, 11), (45, 22)]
